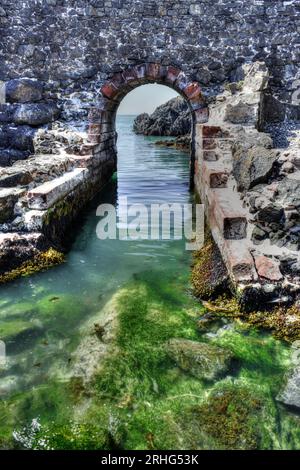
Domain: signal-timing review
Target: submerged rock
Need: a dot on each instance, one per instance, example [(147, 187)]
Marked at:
[(231, 417), (291, 393), (11, 331), (201, 360)]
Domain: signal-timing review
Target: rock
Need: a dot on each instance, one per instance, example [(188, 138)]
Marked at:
[(9, 156), (141, 123), (258, 235), (36, 114), (21, 137), (12, 331), (202, 360), (6, 113), (268, 268), (291, 393), (256, 77), (172, 118), (240, 113), (8, 198), (23, 90), (288, 191), (16, 248), (269, 214), (252, 166), (273, 110), (209, 274)]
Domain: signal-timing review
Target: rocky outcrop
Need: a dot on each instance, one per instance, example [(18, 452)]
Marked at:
[(170, 119), (290, 395), (253, 189), (202, 360)]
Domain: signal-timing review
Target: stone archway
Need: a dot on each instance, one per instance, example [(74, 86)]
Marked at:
[(102, 117)]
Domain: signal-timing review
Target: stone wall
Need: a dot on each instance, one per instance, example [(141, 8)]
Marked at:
[(73, 45), (56, 54)]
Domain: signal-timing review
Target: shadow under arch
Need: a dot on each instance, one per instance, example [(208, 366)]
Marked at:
[(102, 116)]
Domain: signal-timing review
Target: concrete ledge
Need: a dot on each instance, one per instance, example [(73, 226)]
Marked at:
[(44, 196)]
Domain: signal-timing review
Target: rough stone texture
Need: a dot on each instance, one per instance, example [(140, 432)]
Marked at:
[(171, 119), (291, 393), (23, 90), (252, 166), (35, 114), (204, 361), (15, 248), (94, 38), (87, 55), (46, 195), (262, 190)]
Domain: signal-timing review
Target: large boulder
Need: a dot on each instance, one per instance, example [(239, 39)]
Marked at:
[(35, 114), (290, 395), (252, 166), (23, 90), (170, 119), (202, 360)]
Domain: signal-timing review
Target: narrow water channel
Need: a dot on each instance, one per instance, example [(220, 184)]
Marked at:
[(51, 395)]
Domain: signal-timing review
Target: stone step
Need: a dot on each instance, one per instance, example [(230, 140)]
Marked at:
[(46, 195), (36, 170)]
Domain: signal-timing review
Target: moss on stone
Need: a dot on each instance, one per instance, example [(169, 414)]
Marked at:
[(10, 330), (209, 276), (40, 262), (227, 419), (283, 323)]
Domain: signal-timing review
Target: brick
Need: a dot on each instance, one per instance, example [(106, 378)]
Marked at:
[(172, 74), (192, 91)]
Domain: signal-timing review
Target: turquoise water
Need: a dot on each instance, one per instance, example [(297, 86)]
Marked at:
[(47, 321)]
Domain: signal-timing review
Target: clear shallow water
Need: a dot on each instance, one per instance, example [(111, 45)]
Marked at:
[(41, 319)]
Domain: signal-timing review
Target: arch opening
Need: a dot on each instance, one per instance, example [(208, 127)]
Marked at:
[(102, 117)]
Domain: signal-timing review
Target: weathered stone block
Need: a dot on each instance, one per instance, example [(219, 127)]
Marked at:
[(23, 90), (36, 114), (49, 193), (8, 198)]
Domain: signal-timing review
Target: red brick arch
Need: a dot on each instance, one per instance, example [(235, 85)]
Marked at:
[(102, 116)]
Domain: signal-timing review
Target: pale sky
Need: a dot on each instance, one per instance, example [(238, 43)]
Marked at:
[(145, 99)]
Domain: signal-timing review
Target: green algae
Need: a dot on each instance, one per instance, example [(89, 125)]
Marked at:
[(140, 399), (10, 331), (40, 262)]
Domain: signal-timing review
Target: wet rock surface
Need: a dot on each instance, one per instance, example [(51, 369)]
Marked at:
[(202, 360), (290, 395)]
